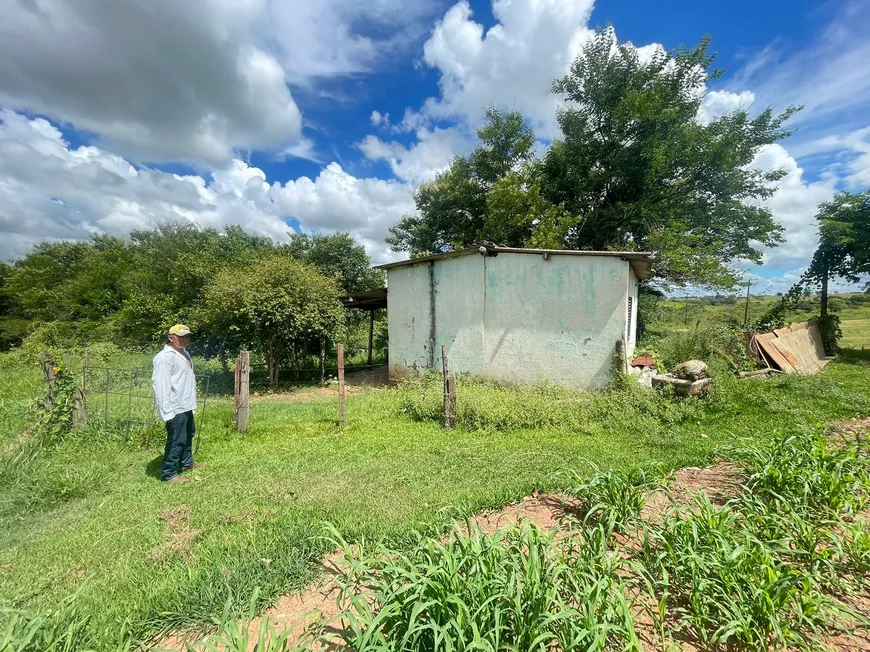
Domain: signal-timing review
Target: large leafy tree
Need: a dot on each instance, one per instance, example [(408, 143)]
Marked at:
[(278, 305), (172, 264), (339, 256), (635, 168), (643, 172)]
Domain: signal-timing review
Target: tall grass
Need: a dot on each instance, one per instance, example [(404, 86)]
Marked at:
[(482, 404), (613, 499), (806, 471), (759, 571), (67, 628), (512, 590), (727, 584)]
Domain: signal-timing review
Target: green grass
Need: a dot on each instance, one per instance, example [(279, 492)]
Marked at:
[(856, 333), (85, 515), (765, 571), (514, 590)]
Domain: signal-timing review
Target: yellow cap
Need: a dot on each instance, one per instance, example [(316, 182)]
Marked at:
[(179, 329)]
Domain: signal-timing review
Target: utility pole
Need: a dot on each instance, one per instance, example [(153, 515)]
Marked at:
[(687, 312), (746, 311)]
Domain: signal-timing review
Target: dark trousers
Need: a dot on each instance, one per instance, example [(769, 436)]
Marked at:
[(179, 441)]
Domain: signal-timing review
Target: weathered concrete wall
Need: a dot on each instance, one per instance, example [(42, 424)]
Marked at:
[(512, 317), (409, 319)]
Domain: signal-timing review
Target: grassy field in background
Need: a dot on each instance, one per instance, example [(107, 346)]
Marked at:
[(91, 518), (695, 311), (856, 333)]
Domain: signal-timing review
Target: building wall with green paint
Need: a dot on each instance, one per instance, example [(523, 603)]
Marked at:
[(512, 317)]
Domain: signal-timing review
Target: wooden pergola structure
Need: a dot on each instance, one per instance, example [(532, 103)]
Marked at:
[(370, 300)]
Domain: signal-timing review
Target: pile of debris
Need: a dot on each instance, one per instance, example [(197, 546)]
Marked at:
[(688, 378), (644, 367)]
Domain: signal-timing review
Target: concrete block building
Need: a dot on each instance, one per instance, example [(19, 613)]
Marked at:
[(515, 315)]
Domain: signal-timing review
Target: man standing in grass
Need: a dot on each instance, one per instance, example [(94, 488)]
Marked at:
[(175, 395)]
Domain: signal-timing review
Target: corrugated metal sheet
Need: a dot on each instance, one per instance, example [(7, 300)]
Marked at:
[(794, 349)]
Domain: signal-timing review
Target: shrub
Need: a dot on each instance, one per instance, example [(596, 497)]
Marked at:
[(484, 404)]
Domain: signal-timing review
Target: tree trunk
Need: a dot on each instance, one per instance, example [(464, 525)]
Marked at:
[(272, 362), (222, 356), (824, 307), (296, 360)]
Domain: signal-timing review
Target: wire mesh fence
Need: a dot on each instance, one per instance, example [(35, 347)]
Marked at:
[(119, 396), (122, 398)]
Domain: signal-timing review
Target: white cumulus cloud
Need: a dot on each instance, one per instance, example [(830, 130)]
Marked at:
[(512, 64), (794, 205), (155, 80), (50, 190)]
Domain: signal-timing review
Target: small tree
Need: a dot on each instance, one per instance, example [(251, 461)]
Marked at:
[(277, 304), (843, 252)]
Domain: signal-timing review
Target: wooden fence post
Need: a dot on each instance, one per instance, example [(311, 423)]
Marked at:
[(341, 402), (322, 362), (371, 334), (451, 400), (242, 390), (47, 363), (449, 390), (80, 415)]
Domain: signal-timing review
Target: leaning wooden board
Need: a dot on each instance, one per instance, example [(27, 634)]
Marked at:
[(776, 359), (795, 349)]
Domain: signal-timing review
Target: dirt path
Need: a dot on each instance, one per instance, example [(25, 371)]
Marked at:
[(300, 612)]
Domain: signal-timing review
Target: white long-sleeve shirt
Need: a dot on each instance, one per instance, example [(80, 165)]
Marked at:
[(174, 383)]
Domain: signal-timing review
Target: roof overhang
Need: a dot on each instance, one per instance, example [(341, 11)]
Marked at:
[(369, 300), (641, 262)]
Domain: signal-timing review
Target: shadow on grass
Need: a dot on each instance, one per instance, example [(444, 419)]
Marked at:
[(152, 469), (860, 357)]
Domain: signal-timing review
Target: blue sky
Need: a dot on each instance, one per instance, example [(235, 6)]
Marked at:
[(325, 116)]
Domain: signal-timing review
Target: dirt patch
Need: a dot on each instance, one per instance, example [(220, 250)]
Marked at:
[(303, 613), (307, 395), (306, 611), (721, 482), (375, 377), (850, 431), (179, 535), (854, 637), (547, 511)]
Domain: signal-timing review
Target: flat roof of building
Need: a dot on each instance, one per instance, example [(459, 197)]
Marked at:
[(640, 261)]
